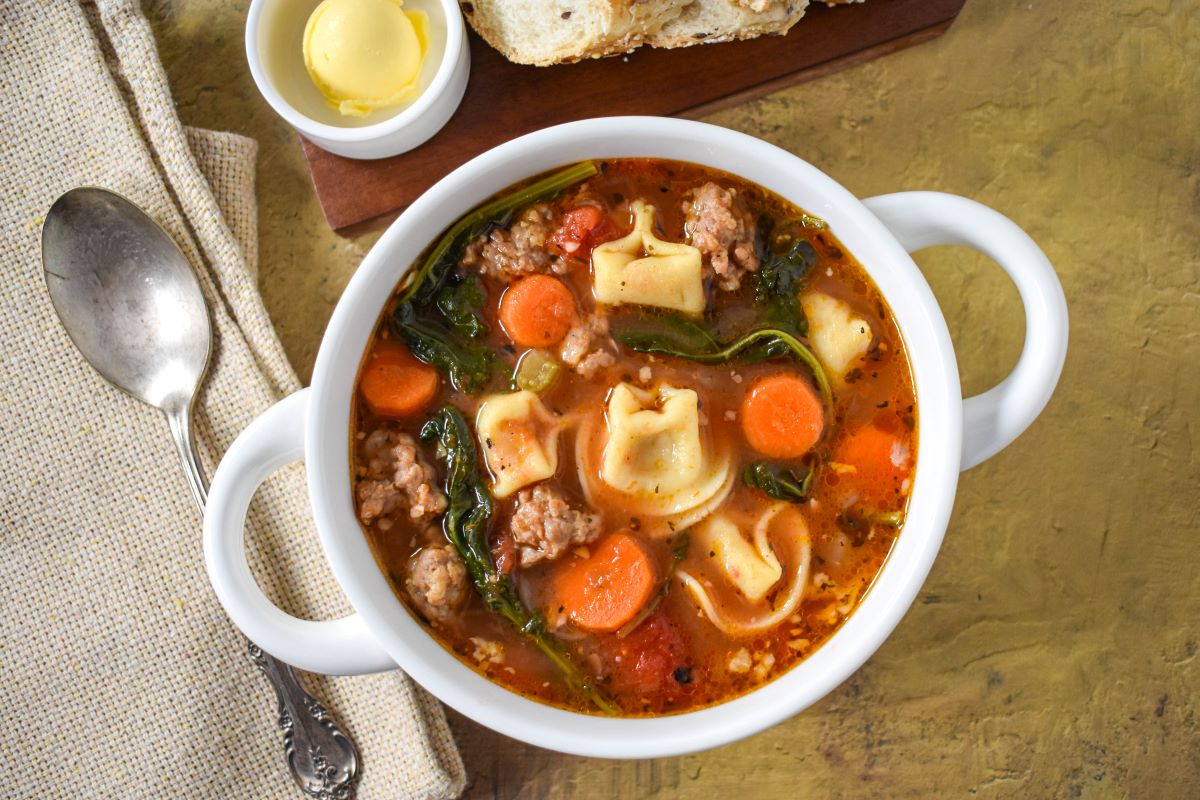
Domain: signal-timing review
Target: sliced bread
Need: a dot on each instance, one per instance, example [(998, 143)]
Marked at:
[(543, 32), (710, 21)]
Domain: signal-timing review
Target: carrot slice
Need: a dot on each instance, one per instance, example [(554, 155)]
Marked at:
[(880, 459), (608, 588), (782, 416), (537, 311), (394, 383)]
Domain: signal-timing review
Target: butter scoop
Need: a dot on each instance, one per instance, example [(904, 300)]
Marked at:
[(365, 54)]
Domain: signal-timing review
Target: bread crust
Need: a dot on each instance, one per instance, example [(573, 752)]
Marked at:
[(545, 32)]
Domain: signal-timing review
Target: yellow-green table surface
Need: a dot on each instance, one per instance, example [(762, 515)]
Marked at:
[(1053, 650)]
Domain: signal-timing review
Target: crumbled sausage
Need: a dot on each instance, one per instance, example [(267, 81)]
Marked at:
[(585, 347), (544, 525), (436, 582), (723, 233), (594, 362), (396, 477), (508, 253)]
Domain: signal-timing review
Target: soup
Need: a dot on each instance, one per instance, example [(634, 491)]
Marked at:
[(634, 438)]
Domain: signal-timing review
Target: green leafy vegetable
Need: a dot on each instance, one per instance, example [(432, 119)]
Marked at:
[(462, 306), (438, 314), (449, 249), (782, 232), (536, 371), (778, 282), (468, 517), (679, 548), (758, 345), (664, 333), (679, 551), (468, 364), (778, 482), (857, 523)]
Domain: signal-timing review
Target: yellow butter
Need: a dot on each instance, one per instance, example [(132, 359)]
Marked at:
[(365, 54)]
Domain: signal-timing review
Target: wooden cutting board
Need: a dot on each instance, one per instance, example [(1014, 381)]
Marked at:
[(504, 100)]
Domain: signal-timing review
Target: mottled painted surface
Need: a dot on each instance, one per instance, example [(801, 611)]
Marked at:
[(1053, 650)]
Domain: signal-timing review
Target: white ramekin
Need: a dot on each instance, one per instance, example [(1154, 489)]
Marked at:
[(274, 36), (953, 434)]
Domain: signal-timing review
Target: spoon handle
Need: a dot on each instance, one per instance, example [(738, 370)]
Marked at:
[(322, 758), (181, 433)]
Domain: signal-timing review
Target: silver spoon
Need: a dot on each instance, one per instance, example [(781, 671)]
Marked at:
[(132, 305)]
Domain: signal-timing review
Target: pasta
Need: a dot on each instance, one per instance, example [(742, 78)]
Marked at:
[(652, 459), (641, 269), (779, 523), (519, 440), (839, 337)]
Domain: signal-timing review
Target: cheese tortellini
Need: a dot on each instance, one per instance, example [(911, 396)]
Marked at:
[(519, 440), (641, 269), (753, 569), (779, 550), (654, 455), (838, 337)]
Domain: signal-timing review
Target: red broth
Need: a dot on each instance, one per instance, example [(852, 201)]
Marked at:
[(670, 654)]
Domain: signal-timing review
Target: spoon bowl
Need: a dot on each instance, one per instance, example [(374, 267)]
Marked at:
[(127, 296)]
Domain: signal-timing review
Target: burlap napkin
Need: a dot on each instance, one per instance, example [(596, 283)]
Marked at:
[(121, 676)]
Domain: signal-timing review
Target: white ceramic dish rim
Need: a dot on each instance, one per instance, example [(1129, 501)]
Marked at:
[(455, 42), (315, 424), (936, 382)]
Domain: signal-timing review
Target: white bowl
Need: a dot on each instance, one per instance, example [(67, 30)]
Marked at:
[(274, 48), (314, 424)]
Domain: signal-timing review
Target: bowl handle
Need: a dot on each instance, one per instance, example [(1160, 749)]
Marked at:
[(992, 420), (335, 647)]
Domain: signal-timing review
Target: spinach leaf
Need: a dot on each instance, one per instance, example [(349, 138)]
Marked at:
[(807, 221), (469, 502), (498, 213), (468, 364), (857, 523), (757, 345), (778, 482), (462, 306), (679, 548), (664, 333), (439, 317), (466, 525), (778, 282)]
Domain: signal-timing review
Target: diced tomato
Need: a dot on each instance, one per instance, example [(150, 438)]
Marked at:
[(578, 221), (606, 231), (650, 662), (504, 553), (582, 228)]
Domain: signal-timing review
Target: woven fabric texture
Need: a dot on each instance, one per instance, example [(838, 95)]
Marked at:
[(120, 675)]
